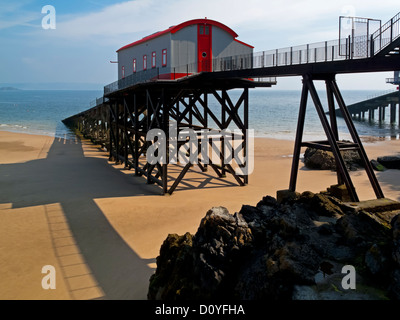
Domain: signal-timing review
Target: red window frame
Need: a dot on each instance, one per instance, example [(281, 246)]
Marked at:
[(153, 59), (164, 57), (123, 72), (145, 62), (134, 65)]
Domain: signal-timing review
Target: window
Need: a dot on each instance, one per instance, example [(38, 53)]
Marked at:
[(123, 72), (153, 59), (144, 62), (134, 65), (164, 58)]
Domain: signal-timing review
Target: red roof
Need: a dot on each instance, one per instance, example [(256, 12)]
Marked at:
[(178, 27)]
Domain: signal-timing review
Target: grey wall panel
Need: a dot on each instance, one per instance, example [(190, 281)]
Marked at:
[(126, 56), (225, 46), (184, 48)]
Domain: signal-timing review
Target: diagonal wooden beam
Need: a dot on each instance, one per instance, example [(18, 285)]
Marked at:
[(353, 132), (331, 138)]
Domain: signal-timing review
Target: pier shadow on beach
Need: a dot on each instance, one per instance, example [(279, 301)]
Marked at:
[(70, 180)]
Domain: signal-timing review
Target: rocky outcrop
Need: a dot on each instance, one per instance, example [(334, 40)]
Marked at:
[(294, 249), (390, 162), (324, 160)]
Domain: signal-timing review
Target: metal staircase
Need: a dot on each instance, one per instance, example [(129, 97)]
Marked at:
[(386, 40)]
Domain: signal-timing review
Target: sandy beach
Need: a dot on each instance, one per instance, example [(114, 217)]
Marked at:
[(62, 203)]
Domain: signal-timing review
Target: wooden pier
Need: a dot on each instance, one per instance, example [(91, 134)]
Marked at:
[(133, 106), (375, 108), (122, 120)]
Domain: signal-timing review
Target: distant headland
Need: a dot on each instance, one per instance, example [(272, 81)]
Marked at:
[(9, 89)]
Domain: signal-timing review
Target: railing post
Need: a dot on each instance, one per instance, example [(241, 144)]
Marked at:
[(308, 53), (291, 55), (391, 30), (263, 59), (372, 53), (326, 51), (350, 51)]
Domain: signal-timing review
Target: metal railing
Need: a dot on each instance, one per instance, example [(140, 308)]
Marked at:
[(98, 101), (135, 78), (385, 35), (380, 94)]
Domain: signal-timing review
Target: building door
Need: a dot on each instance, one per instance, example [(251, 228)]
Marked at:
[(204, 51)]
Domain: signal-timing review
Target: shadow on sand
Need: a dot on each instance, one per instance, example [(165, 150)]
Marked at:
[(71, 180)]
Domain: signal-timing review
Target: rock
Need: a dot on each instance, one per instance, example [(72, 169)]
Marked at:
[(322, 204), (362, 229), (395, 223), (377, 166), (286, 196), (173, 263), (340, 192), (390, 162), (268, 201), (293, 249), (324, 160), (305, 293), (319, 159), (219, 243), (395, 284), (376, 260)]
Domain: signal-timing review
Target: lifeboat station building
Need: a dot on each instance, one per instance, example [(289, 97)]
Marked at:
[(190, 47)]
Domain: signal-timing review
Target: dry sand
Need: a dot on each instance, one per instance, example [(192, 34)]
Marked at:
[(63, 204)]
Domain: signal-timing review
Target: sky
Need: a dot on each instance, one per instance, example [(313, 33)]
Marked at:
[(77, 53)]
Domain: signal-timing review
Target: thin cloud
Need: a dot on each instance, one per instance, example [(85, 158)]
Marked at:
[(133, 19)]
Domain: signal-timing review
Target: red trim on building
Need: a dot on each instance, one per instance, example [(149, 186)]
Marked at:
[(244, 43), (178, 27), (204, 21), (204, 48)]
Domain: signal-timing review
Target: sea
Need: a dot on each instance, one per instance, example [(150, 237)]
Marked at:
[(272, 113)]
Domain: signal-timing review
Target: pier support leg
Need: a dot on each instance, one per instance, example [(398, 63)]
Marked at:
[(331, 132), (383, 113), (299, 138), (392, 112), (353, 132), (399, 115)]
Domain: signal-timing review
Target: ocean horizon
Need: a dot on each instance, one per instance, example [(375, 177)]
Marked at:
[(272, 113)]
